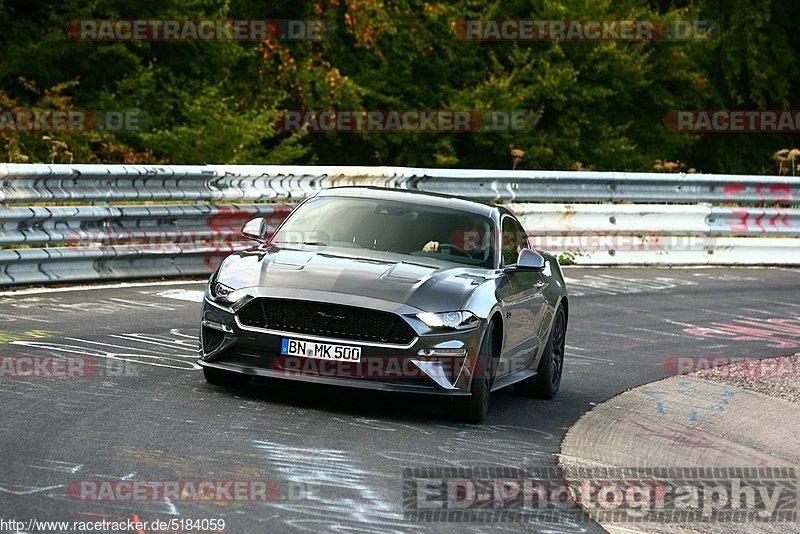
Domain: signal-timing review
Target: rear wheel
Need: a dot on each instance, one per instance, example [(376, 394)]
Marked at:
[(548, 377), (473, 409), (218, 377)]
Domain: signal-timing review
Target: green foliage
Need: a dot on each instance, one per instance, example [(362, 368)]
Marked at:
[(598, 104)]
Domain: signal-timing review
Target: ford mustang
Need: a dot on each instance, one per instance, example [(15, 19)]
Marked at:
[(390, 290)]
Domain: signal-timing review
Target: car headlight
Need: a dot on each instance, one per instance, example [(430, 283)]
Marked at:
[(455, 320), (220, 292)]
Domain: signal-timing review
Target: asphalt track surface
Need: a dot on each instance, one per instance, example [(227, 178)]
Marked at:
[(337, 456)]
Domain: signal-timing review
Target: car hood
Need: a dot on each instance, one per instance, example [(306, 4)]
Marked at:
[(423, 283)]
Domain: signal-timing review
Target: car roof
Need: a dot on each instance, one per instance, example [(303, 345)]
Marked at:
[(417, 197)]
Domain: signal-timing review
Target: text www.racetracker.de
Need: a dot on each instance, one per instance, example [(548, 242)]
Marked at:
[(121, 525)]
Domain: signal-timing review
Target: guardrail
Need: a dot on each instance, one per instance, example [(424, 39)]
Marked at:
[(146, 225), (23, 183), (665, 219), (67, 243)]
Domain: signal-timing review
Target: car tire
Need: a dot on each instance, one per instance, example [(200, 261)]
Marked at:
[(218, 377), (473, 409), (551, 367)]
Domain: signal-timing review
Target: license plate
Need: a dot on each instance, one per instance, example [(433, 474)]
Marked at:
[(320, 351)]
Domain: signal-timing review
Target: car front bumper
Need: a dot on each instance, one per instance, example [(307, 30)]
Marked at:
[(418, 367)]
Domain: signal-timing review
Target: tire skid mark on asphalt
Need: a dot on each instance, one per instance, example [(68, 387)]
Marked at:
[(128, 357), (617, 334), (57, 465), (364, 422), (677, 323), (726, 313), (493, 445), (779, 333), (634, 312), (21, 387), (727, 277), (166, 507), (512, 452), (624, 331), (228, 465), (103, 306), (409, 458), (321, 468), (603, 284), (587, 357), (148, 350), (140, 507), (179, 349), (284, 420), (733, 305), (415, 428), (756, 311), (154, 339), (776, 304), (33, 388), (492, 429), (656, 332), (582, 359), (775, 326), (28, 318), (67, 406), (27, 490), (790, 304)]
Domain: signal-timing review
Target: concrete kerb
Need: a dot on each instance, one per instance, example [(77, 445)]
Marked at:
[(678, 425)]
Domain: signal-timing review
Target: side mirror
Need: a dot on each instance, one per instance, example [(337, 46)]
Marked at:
[(255, 229), (529, 260)]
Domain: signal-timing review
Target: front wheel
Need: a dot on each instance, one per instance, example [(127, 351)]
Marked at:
[(219, 377), (548, 376), (473, 409)]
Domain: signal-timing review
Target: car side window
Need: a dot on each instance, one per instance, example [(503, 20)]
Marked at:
[(513, 240)]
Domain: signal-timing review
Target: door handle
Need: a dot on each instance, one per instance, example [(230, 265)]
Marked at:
[(539, 284)]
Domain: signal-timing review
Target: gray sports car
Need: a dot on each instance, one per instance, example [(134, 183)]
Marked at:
[(391, 290)]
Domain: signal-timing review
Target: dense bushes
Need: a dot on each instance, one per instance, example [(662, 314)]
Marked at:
[(597, 105)]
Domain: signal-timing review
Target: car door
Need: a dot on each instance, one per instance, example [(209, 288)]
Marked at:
[(522, 299)]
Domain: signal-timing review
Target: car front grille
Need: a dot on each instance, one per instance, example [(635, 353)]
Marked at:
[(327, 320)]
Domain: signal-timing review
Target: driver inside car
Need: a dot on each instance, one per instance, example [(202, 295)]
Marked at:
[(467, 240), (431, 246)]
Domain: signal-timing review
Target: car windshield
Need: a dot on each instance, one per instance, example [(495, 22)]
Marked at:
[(391, 226)]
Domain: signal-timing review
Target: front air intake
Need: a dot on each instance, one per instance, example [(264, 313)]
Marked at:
[(327, 320)]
